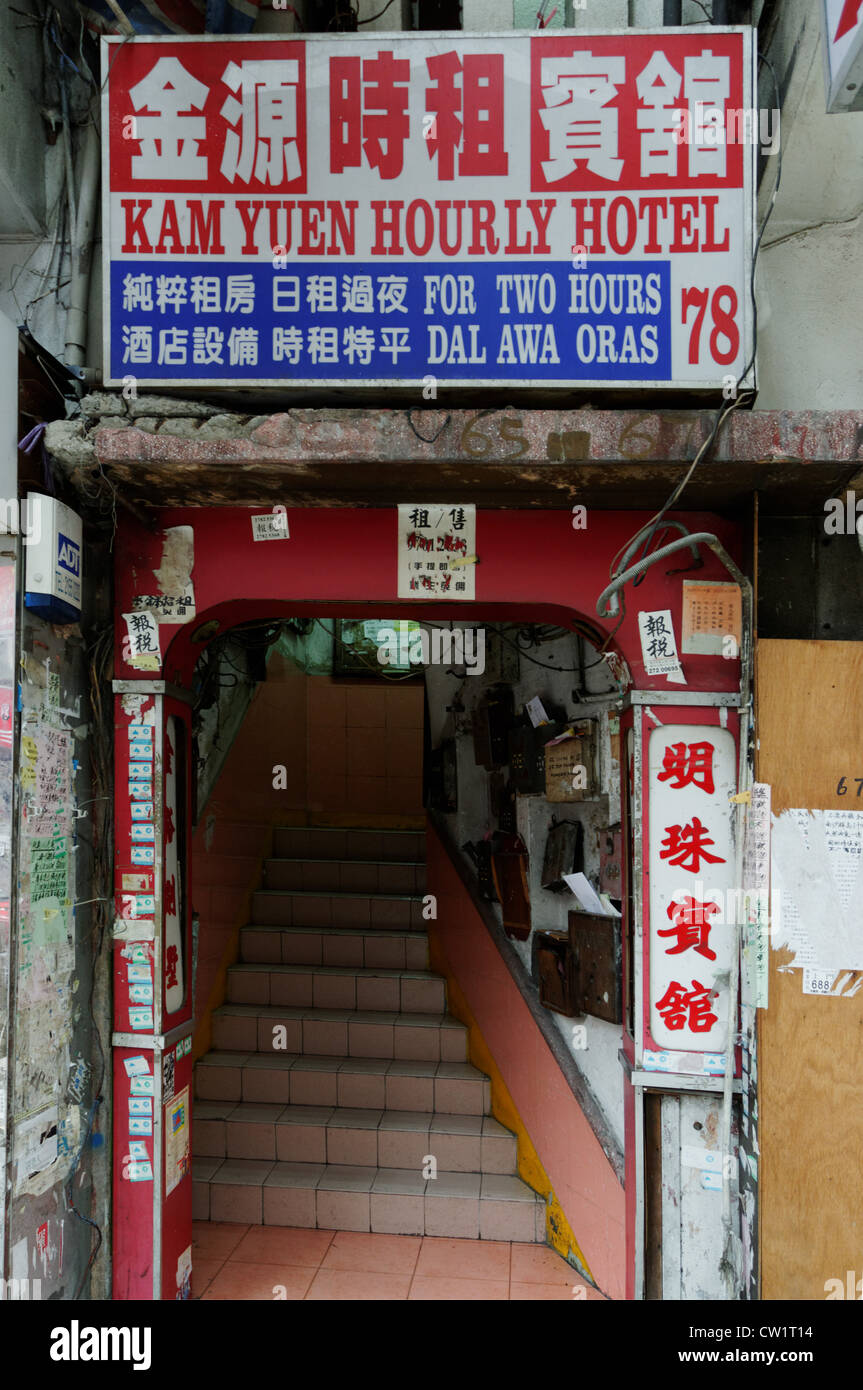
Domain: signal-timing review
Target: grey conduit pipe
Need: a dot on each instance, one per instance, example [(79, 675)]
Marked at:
[(82, 246)]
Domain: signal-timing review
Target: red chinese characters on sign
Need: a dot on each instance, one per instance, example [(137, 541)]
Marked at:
[(692, 774), (464, 120), (685, 846), (190, 120), (369, 113), (689, 764), (691, 920), (171, 959), (608, 115), (688, 1008)]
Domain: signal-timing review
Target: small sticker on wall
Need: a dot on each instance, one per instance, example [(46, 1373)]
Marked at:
[(140, 1171), (137, 929), (168, 1069), (136, 883), (143, 854), (839, 984), (136, 1066), (658, 646), (271, 526)]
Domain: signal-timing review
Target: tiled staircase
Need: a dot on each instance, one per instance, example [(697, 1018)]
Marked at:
[(336, 1070)]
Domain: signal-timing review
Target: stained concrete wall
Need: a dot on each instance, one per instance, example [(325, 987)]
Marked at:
[(59, 1121)]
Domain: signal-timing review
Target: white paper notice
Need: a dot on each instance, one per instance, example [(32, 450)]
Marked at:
[(579, 886), (756, 888), (143, 638), (434, 541), (658, 645), (536, 712), (817, 865)]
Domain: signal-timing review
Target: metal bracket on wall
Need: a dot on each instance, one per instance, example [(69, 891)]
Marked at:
[(174, 692), (157, 1042)]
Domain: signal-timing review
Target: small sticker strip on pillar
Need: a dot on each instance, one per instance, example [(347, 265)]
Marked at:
[(658, 645)]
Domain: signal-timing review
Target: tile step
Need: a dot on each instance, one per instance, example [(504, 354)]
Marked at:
[(336, 987), (344, 875), (340, 1033), (300, 907), (367, 1198), (365, 946), (376, 1138), (367, 1083), (332, 842)]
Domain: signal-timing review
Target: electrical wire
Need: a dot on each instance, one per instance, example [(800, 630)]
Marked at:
[(724, 411), (371, 19), (547, 666)]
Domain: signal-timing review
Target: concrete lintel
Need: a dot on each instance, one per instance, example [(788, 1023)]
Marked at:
[(497, 457)]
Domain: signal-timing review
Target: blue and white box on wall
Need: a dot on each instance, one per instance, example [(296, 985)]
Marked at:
[(53, 587)]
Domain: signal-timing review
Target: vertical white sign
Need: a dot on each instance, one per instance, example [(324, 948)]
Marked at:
[(692, 775)]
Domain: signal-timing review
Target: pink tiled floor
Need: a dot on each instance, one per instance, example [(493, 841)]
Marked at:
[(268, 1262)]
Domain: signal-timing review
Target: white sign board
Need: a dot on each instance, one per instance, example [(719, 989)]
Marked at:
[(843, 54), (692, 773), (516, 209)]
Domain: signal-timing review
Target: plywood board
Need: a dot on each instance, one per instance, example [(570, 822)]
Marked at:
[(809, 725)]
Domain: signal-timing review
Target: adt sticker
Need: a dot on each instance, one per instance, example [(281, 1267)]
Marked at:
[(68, 554)]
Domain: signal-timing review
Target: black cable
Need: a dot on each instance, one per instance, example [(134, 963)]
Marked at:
[(373, 17), (546, 666), (422, 437)]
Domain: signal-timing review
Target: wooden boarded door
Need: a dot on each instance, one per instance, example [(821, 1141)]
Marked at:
[(809, 724)]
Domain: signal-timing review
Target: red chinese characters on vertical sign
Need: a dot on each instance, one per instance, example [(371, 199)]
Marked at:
[(690, 836)]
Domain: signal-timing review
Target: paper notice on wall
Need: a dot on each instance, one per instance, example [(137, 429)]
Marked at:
[(175, 600), (176, 1140), (535, 711), (712, 621), (35, 1144), (755, 927), (658, 645), (817, 881), (271, 526), (434, 541), (142, 631)]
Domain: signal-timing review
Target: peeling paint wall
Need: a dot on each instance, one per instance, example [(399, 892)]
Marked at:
[(60, 1038)]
